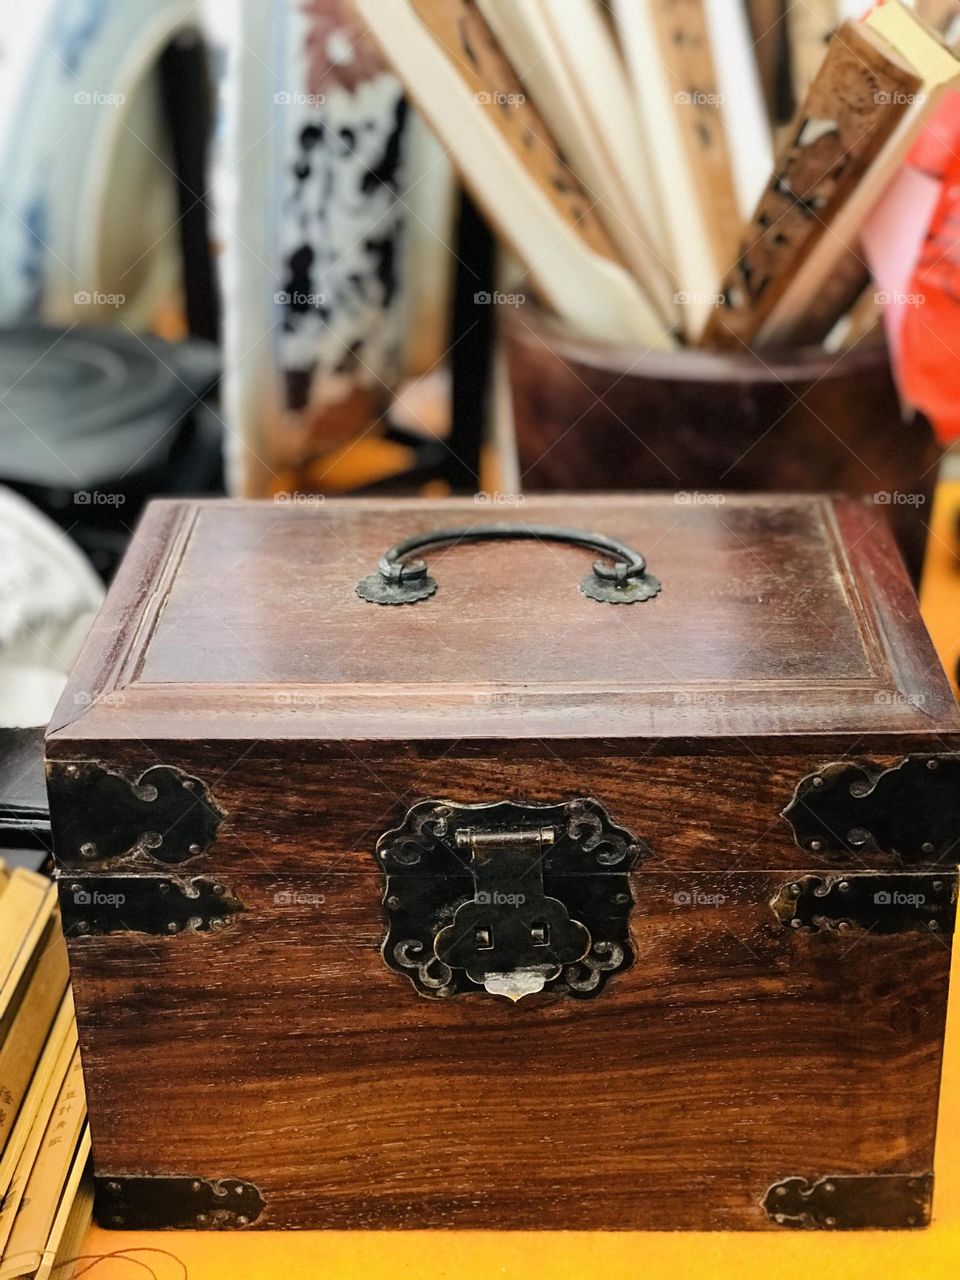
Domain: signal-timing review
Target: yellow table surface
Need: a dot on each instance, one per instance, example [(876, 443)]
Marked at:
[(933, 1254)]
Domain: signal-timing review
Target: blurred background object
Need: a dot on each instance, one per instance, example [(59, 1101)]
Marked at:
[(106, 110), (254, 176), (156, 157), (95, 422), (703, 422), (334, 203), (88, 178), (239, 259), (48, 598)]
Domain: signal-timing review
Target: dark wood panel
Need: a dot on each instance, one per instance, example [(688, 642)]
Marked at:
[(735, 1052), (267, 595), (291, 807)]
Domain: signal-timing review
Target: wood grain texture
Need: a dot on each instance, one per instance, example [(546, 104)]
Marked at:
[(854, 105), (732, 1054), (295, 806)]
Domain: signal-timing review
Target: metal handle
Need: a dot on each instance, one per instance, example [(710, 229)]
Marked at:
[(401, 581)]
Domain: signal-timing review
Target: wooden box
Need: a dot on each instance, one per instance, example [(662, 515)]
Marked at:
[(512, 892)]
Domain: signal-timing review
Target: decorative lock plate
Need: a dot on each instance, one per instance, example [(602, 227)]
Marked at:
[(166, 906), (877, 904), (909, 812), (99, 815), (508, 898)]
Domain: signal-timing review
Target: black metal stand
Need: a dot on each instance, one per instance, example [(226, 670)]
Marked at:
[(186, 96), (456, 460)]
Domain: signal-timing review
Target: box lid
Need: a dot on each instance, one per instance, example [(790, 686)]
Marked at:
[(783, 615)]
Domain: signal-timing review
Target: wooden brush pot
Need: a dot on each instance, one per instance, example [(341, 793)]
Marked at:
[(589, 416)]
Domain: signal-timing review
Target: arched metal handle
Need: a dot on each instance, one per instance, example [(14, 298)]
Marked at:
[(402, 581)]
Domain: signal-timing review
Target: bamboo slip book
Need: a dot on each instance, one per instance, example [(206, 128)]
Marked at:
[(800, 265), (46, 1190), (674, 220), (458, 75)]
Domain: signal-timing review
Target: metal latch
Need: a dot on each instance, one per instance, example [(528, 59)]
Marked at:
[(161, 905), (149, 1202), (852, 1202), (507, 898)]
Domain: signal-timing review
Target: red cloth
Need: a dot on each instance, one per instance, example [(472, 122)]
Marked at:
[(929, 372)]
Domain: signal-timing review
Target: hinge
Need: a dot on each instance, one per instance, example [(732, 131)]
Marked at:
[(876, 903), (141, 1202), (96, 814), (91, 905), (852, 1203), (910, 811)]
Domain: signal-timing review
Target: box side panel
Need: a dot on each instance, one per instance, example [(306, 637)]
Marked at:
[(735, 1052)]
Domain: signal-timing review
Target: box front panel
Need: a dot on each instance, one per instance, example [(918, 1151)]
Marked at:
[(268, 1042)]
